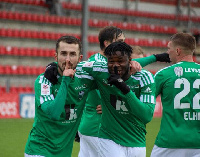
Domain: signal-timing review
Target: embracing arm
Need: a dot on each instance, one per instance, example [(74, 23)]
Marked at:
[(163, 57), (146, 60), (54, 108)]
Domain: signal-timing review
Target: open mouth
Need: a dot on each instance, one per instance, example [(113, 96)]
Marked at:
[(116, 71)]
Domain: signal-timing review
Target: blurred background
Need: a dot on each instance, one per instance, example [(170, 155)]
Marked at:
[(28, 33), (29, 29)]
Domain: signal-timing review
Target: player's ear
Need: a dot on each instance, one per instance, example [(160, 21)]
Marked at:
[(56, 56), (178, 51), (80, 58), (106, 43), (130, 59)]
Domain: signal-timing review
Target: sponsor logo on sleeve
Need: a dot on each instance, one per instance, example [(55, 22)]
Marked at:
[(45, 89), (88, 64), (148, 90)]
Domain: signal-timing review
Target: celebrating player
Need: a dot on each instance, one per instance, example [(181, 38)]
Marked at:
[(124, 97), (59, 105), (178, 86)]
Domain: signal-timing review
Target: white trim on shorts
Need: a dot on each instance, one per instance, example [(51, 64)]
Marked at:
[(170, 152), (27, 155)]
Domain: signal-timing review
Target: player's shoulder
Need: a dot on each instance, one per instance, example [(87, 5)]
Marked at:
[(42, 80), (144, 76), (98, 58), (165, 70), (93, 64), (143, 73)]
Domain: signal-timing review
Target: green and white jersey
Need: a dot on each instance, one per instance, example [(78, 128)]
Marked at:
[(90, 120), (50, 136), (124, 117), (179, 87), (98, 58)]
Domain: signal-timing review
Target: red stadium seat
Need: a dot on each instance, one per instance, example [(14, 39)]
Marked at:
[(34, 70), (28, 89), (34, 52), (28, 70), (2, 90), (2, 50), (21, 70), (3, 14), (2, 69), (14, 70), (13, 89), (7, 69)]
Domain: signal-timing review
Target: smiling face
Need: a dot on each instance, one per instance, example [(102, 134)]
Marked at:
[(69, 52), (120, 61)]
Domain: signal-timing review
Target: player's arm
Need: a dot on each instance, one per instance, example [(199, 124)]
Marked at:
[(142, 108), (94, 68), (51, 105), (163, 57), (159, 79)]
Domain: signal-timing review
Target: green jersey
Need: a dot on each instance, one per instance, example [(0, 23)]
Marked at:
[(179, 86), (90, 120), (58, 112), (124, 116)]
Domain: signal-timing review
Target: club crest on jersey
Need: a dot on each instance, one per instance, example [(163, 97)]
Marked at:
[(45, 89), (81, 94), (178, 71)]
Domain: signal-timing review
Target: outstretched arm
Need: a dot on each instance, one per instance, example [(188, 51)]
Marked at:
[(163, 57)]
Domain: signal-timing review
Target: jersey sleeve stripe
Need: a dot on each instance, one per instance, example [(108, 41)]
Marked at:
[(147, 99), (44, 80), (46, 98), (139, 79), (144, 77), (100, 69), (79, 75)]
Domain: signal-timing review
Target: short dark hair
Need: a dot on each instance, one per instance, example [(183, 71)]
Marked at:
[(108, 33), (184, 40), (69, 40), (118, 46)]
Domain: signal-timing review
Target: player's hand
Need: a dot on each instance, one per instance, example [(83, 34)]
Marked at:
[(77, 138), (51, 73), (116, 80), (98, 109), (163, 57), (68, 71), (135, 67)]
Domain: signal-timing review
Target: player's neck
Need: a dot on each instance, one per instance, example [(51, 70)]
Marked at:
[(187, 58), (102, 53), (126, 75)]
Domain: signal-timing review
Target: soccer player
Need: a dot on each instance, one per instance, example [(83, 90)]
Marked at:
[(59, 105), (89, 126), (128, 102), (138, 52), (178, 86)]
